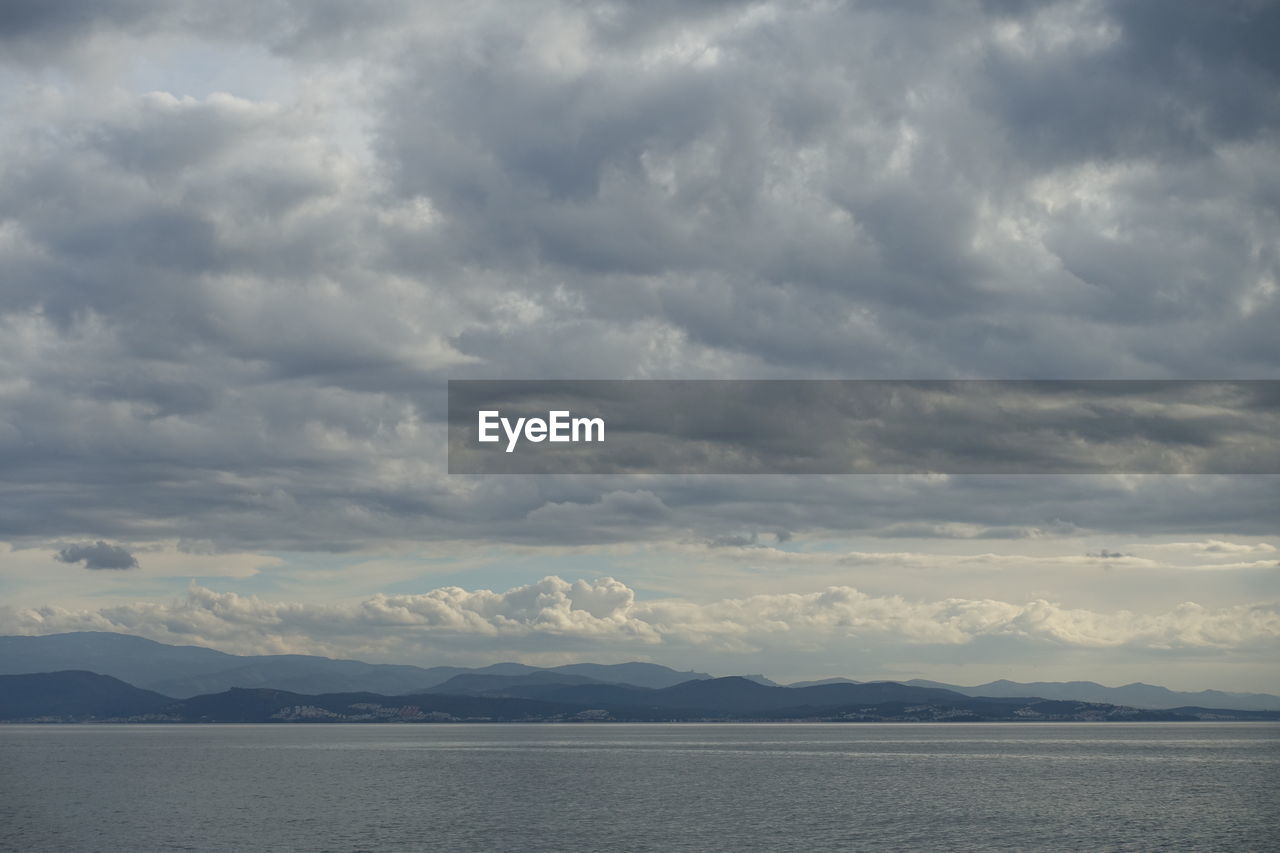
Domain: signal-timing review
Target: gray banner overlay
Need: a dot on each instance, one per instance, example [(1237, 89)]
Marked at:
[(864, 427)]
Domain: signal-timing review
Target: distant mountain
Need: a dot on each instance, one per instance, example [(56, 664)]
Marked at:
[(1136, 695), (476, 684), (184, 671), (735, 695), (594, 695), (132, 659), (746, 695), (637, 673), (307, 674), (267, 706), (74, 694), (82, 696), (192, 670), (824, 681)]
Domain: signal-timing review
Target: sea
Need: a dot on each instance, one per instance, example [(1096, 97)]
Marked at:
[(660, 787)]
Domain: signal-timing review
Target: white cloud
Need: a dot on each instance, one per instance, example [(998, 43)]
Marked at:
[(1213, 546), (604, 615)]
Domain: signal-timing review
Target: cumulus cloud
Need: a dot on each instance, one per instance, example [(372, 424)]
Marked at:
[(605, 616), (98, 555)]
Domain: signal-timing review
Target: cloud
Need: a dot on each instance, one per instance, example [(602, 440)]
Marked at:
[(1248, 566), (30, 30), (604, 616), (884, 427), (228, 311), (1216, 546), (98, 555)]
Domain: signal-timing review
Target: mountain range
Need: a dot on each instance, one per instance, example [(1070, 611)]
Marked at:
[(1137, 695), (80, 696), (106, 676), (184, 671)]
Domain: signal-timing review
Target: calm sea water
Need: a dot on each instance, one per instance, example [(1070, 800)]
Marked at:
[(640, 787)]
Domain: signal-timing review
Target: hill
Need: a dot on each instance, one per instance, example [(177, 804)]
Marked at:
[(74, 694), (1137, 695), (735, 695), (185, 671), (188, 671), (82, 696)]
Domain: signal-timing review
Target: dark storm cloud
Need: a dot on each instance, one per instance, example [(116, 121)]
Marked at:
[(98, 555), (220, 322)]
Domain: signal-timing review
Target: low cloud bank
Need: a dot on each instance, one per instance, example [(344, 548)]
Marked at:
[(603, 617)]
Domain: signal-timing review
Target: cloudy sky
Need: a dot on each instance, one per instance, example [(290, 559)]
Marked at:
[(244, 245)]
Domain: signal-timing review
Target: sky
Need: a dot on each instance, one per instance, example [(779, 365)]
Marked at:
[(244, 245)]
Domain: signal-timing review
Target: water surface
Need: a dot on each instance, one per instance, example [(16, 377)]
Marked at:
[(666, 787)]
